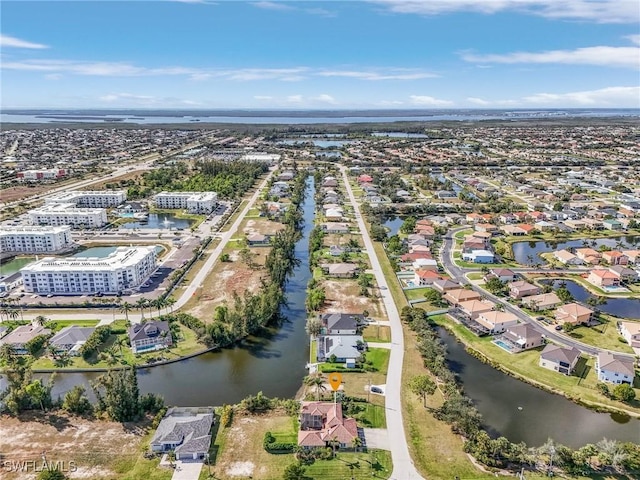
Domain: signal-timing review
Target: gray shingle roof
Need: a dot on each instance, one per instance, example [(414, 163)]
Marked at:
[(71, 335)]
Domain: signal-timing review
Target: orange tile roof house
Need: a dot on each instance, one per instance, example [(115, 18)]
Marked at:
[(426, 277), (322, 423), (573, 313), (455, 297), (497, 322), (473, 308), (588, 255), (603, 278), (614, 257)]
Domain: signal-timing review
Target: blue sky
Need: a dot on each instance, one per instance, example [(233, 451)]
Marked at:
[(322, 55)]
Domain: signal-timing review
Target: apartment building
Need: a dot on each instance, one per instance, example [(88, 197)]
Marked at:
[(90, 198), (38, 175), (19, 239), (124, 269), (192, 202), (58, 214)]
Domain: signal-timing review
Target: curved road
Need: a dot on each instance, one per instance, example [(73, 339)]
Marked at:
[(458, 274), (403, 468)]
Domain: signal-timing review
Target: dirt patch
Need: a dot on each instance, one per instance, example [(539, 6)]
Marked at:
[(241, 469), (344, 296), (261, 225), (19, 192), (63, 438)]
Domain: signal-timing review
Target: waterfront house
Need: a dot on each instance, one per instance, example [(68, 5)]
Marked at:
[(334, 214), (257, 239), (478, 256), (185, 431), (603, 278), (573, 313), (522, 289), (522, 337), (496, 321), (612, 224), (615, 369), (626, 274), (330, 182), (322, 423), (630, 331), (20, 336), (588, 255), (70, 339), (543, 301), (337, 250), (340, 270), (633, 256), (567, 258), (333, 227), (341, 323), (575, 223), (559, 359), (346, 348), (614, 257), (459, 295), (151, 335), (502, 274)]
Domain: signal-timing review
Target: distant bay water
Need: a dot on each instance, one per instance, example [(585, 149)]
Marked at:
[(146, 117)]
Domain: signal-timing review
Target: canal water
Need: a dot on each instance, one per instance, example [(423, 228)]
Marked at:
[(273, 363), (527, 253), (620, 307), (521, 412)]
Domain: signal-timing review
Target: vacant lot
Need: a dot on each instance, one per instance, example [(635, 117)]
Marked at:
[(260, 225), (343, 295), (100, 449)]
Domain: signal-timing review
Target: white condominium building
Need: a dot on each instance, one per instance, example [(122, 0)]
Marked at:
[(37, 175), (92, 199), (269, 158), (68, 214), (192, 202), (126, 268), (34, 239)]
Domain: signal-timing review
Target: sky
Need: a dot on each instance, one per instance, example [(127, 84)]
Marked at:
[(381, 54)]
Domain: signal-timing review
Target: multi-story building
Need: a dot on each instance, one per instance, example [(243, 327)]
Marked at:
[(58, 214), (192, 202), (37, 175), (124, 269), (34, 239), (90, 198)]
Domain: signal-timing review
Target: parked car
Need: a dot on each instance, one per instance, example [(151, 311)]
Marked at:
[(376, 390), (558, 327)]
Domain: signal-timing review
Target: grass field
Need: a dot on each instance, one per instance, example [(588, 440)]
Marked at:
[(377, 334), (604, 335), (416, 293), (379, 358)]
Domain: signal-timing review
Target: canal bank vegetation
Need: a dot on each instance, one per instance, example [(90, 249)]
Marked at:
[(605, 457)]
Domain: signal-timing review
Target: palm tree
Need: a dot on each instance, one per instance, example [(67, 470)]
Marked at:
[(170, 302), (141, 303), (40, 320), (12, 314), (316, 380), (159, 303), (356, 443), (126, 308)]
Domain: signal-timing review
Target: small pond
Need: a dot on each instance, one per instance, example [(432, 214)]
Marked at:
[(161, 220), (528, 253)]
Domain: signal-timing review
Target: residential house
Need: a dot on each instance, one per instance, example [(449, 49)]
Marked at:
[(341, 323), (425, 264), (185, 431), (20, 336), (612, 224), (425, 277), (522, 337), (151, 335), (615, 369), (633, 256), (346, 348), (626, 274), (257, 239), (334, 214), (322, 424), (3, 331), (503, 274), (603, 278), (574, 313), (559, 359), (329, 182), (409, 258), (567, 258), (630, 331), (70, 339), (337, 250), (614, 257), (473, 308), (576, 224), (478, 256), (459, 295), (333, 227), (543, 301), (522, 289), (496, 321), (445, 285), (588, 255), (364, 178), (340, 270)]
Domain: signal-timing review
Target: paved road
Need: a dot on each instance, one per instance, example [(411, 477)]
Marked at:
[(458, 275), (190, 290), (403, 468)]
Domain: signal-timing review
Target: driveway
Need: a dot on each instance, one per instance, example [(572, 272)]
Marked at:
[(187, 470), (376, 438)]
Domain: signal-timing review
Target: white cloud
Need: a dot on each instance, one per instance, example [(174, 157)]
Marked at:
[(598, 11), (388, 74), (389, 103), (624, 97), (634, 38), (625, 57), (428, 101), (263, 97), (478, 101), (324, 98), (7, 41), (130, 99), (295, 99), (273, 6)]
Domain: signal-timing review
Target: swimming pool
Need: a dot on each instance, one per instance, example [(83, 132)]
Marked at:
[(503, 345)]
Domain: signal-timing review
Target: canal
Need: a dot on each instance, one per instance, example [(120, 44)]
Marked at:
[(522, 412), (528, 253)]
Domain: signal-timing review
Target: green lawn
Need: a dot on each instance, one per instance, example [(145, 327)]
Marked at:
[(475, 275), (377, 334), (371, 416), (375, 464), (605, 335), (313, 352), (427, 306), (581, 385), (416, 293), (379, 357), (57, 325)]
